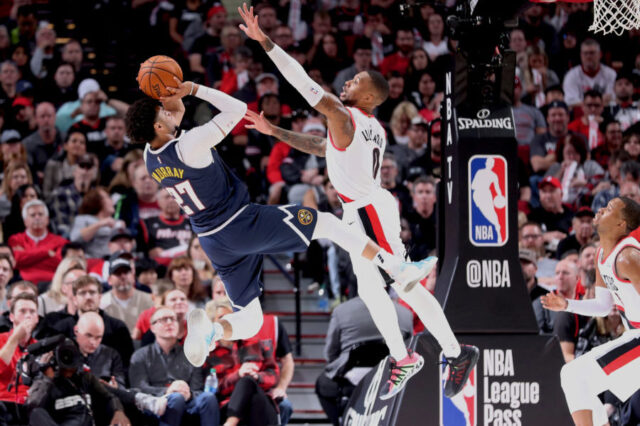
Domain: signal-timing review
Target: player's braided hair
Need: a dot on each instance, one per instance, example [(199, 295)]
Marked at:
[(631, 213), (380, 85), (140, 118)]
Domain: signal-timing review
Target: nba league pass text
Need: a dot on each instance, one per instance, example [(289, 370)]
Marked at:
[(503, 397)]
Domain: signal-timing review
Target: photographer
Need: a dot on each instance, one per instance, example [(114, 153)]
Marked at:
[(24, 316), (70, 396)]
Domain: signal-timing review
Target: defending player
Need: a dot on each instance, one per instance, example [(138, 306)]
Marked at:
[(354, 154), (233, 232), (615, 365)]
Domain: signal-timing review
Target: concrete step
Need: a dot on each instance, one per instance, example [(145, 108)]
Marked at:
[(307, 373), (287, 303), (310, 350)]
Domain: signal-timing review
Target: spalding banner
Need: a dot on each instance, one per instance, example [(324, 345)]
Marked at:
[(516, 382)]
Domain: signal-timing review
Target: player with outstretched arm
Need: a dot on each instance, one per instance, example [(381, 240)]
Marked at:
[(615, 365), (354, 152)]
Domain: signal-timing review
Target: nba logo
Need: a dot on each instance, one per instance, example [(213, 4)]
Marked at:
[(488, 224), (462, 409)]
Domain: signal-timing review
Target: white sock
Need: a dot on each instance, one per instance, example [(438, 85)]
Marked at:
[(430, 312), (388, 262)]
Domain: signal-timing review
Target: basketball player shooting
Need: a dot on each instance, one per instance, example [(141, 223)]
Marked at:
[(356, 145), (234, 233), (615, 365)]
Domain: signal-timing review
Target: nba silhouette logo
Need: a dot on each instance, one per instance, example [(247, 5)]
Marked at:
[(488, 221), (462, 409)]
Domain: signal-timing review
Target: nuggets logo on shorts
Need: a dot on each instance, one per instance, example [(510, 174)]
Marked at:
[(488, 221), (305, 217), (462, 409)]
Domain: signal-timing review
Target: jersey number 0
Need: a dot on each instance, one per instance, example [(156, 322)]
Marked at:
[(185, 188)]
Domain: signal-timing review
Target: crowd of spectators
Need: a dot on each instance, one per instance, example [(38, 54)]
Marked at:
[(82, 217)]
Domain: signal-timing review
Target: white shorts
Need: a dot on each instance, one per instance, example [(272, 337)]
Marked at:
[(614, 365), (378, 216)]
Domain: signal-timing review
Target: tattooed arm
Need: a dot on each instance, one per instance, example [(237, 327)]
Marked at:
[(310, 144)]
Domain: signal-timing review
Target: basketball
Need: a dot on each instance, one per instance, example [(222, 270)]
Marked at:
[(156, 74), (499, 202)]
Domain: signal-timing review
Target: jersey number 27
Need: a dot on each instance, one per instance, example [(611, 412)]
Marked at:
[(185, 188)]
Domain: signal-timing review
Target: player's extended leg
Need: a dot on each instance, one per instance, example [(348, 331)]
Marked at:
[(461, 358), (581, 392), (371, 289)]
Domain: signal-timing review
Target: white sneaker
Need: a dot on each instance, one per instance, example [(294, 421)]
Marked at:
[(412, 272), (154, 404), (199, 337)]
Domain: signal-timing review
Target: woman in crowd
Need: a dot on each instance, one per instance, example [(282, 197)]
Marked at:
[(437, 43), (158, 292), (400, 122), (184, 276), (60, 290), (418, 62), (631, 144), (15, 175), (60, 167), (176, 300), (13, 223), (536, 76), (246, 372), (94, 223), (121, 182), (577, 174), (425, 97), (201, 261), (329, 57)]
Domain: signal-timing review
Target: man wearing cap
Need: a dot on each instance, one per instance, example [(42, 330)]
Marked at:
[(121, 243), (582, 232), (415, 147), (623, 109), (23, 115), (590, 74), (529, 120), (200, 37), (45, 141), (552, 215), (123, 301), (543, 146), (88, 113), (65, 200), (10, 140)]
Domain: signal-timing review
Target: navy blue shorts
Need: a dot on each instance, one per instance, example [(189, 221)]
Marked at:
[(236, 250)]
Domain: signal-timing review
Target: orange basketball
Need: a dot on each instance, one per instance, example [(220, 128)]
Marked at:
[(156, 74)]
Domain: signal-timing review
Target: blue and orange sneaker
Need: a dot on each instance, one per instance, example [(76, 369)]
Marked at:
[(401, 372)]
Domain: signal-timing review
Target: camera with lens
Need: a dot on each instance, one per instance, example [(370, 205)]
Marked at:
[(65, 355)]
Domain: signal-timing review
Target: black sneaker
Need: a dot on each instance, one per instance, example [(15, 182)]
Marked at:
[(460, 368)]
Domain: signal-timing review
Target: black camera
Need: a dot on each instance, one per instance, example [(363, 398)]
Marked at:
[(66, 355)]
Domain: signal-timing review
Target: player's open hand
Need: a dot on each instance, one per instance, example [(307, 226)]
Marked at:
[(258, 122), (554, 302), (251, 27)]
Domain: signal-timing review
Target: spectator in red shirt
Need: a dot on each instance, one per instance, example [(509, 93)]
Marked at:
[(399, 61), (37, 251), (588, 125), (24, 316)]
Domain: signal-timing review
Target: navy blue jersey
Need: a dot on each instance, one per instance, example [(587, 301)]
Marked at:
[(209, 196)]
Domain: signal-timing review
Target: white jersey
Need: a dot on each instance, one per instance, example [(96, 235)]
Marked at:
[(355, 170), (625, 296)]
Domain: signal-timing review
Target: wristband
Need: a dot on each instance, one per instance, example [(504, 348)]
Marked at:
[(192, 86)]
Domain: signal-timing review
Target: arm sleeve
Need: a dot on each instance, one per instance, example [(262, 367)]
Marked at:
[(291, 69), (195, 146), (600, 306)]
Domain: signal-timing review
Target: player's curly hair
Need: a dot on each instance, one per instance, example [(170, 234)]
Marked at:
[(140, 119)]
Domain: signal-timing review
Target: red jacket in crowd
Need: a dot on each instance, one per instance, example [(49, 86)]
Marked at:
[(33, 259), (260, 349), (8, 373)]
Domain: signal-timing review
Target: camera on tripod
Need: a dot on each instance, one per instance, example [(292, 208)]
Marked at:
[(34, 363)]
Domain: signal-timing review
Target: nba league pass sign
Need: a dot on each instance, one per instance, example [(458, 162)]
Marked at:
[(488, 201), (508, 387)]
